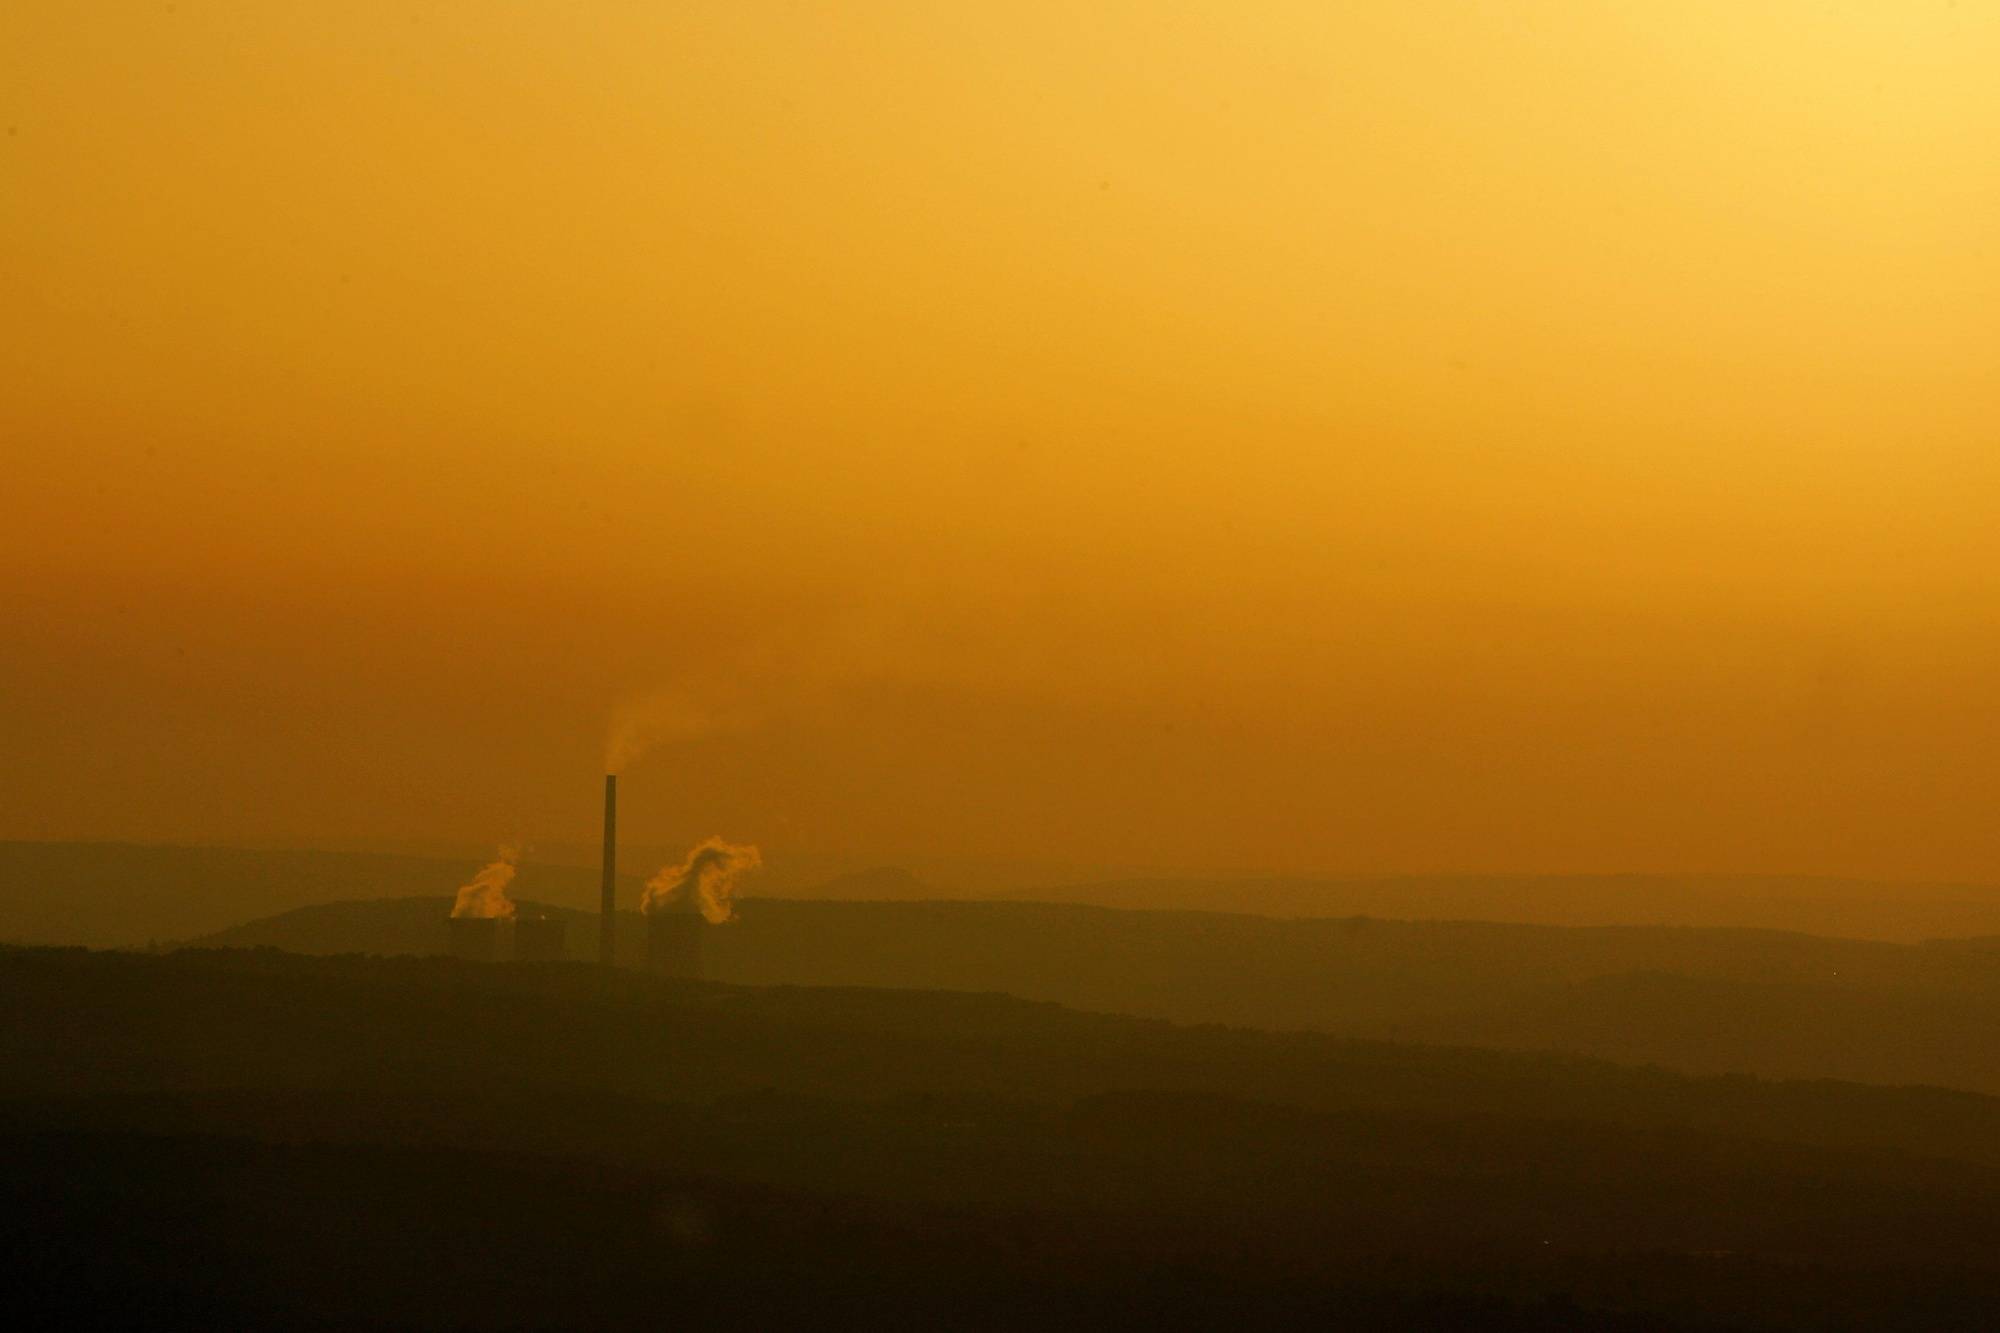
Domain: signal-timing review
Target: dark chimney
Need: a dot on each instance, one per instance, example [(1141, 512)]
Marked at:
[(607, 922), (540, 939)]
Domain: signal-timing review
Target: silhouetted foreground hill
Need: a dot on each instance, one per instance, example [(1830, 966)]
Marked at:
[(1700, 1000), (251, 1140)]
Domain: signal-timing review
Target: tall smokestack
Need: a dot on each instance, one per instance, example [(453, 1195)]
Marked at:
[(607, 925)]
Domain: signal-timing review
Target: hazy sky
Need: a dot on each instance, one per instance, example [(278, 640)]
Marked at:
[(1359, 436)]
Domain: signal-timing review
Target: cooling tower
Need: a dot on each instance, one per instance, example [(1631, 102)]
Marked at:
[(541, 939), (673, 944), (607, 922), (476, 939)]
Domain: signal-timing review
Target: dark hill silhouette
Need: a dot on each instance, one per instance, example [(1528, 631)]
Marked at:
[(255, 1139), (1896, 1033), (77, 1023), (201, 1231), (391, 926)]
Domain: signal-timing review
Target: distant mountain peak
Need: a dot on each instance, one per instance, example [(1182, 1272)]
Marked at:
[(882, 882)]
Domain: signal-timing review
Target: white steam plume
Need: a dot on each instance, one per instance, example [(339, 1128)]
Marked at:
[(704, 882), (486, 895)]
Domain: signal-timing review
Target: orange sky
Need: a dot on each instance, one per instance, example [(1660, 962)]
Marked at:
[(1307, 436)]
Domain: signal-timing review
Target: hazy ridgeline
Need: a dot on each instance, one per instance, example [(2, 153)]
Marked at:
[(110, 894), (1699, 999), (1702, 1000)]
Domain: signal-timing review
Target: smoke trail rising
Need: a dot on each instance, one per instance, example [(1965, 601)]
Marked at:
[(704, 882), (642, 723), (486, 894)]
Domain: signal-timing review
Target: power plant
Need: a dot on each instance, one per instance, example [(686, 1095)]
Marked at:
[(683, 901), (476, 939), (673, 943), (541, 939), (679, 904), (535, 939)]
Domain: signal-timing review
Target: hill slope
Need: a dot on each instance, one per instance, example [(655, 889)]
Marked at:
[(255, 1139), (1702, 1000), (117, 895), (1849, 908)]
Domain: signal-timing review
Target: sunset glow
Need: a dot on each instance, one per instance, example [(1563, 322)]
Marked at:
[(1298, 436)]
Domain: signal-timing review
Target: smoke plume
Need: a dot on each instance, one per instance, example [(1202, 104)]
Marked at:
[(486, 895), (639, 724), (752, 685), (704, 882)]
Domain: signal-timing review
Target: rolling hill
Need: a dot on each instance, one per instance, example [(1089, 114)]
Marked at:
[(108, 895), (257, 1139), (1701, 1000)]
